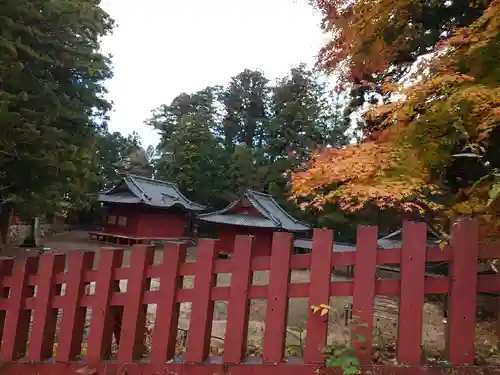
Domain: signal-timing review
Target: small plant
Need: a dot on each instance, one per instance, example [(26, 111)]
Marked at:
[(343, 355)]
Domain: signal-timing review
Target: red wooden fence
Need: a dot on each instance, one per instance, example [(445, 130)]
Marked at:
[(35, 285)]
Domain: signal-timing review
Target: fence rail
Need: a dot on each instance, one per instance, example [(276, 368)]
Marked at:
[(35, 290)]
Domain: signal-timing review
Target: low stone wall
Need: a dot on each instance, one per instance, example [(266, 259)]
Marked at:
[(18, 233)]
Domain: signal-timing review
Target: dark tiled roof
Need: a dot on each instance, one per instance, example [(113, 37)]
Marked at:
[(144, 190), (273, 215)]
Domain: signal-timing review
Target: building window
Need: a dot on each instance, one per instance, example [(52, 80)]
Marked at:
[(122, 221), (112, 219)]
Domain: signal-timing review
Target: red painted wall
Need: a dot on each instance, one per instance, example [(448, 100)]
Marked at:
[(117, 211), (145, 222), (160, 225), (227, 234)]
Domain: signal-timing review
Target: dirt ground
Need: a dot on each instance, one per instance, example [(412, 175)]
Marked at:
[(385, 314)]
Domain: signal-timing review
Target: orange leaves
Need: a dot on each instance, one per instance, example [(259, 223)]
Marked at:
[(371, 172)]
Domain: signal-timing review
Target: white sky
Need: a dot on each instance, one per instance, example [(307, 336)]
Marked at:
[(164, 47)]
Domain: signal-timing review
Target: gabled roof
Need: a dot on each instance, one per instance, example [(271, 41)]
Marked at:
[(272, 215), (137, 189)]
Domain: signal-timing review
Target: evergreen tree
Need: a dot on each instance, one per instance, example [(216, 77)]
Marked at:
[(51, 102)]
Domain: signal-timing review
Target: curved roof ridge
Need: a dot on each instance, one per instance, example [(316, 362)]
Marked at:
[(266, 205), (151, 179), (131, 179), (266, 212), (222, 210), (296, 221)]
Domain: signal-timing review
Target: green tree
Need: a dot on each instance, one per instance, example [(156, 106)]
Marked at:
[(51, 102), (304, 116), (245, 103), (113, 151), (196, 162), (258, 133), (166, 118), (433, 152)]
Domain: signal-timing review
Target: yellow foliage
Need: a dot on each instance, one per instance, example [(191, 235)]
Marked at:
[(456, 101), (325, 309), (374, 172)]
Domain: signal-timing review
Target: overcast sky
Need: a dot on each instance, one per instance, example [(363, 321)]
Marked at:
[(164, 47)]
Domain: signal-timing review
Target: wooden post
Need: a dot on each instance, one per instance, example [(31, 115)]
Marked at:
[(45, 317), (73, 318), (238, 304), (462, 300), (364, 288), (411, 303), (200, 326), (17, 320), (134, 314), (102, 324), (167, 310), (277, 300), (319, 293)]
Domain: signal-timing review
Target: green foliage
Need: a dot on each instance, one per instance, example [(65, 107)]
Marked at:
[(196, 161), (52, 101), (114, 150), (250, 134), (343, 355)]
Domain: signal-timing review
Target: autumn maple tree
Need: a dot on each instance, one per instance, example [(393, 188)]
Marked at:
[(429, 73)]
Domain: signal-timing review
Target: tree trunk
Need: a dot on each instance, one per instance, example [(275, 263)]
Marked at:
[(6, 211)]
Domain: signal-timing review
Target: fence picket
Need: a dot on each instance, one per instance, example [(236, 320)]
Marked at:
[(45, 317), (364, 288), (462, 298), (134, 314), (17, 320), (277, 301), (5, 270), (18, 280), (69, 342), (102, 322), (200, 325), (238, 304), (411, 304), (167, 310), (319, 293)]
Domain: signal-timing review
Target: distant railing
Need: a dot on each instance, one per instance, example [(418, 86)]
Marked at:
[(45, 300)]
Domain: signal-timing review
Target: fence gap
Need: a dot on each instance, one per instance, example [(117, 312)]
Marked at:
[(256, 328), (182, 329), (302, 276), (85, 339), (202, 314), (298, 310), (261, 278), (218, 333), (434, 329), (339, 319), (239, 303), (319, 293), (150, 329)]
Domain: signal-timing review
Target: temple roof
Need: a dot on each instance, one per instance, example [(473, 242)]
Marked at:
[(136, 189), (269, 214)]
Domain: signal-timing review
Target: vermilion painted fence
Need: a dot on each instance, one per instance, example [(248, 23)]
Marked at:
[(35, 285)]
